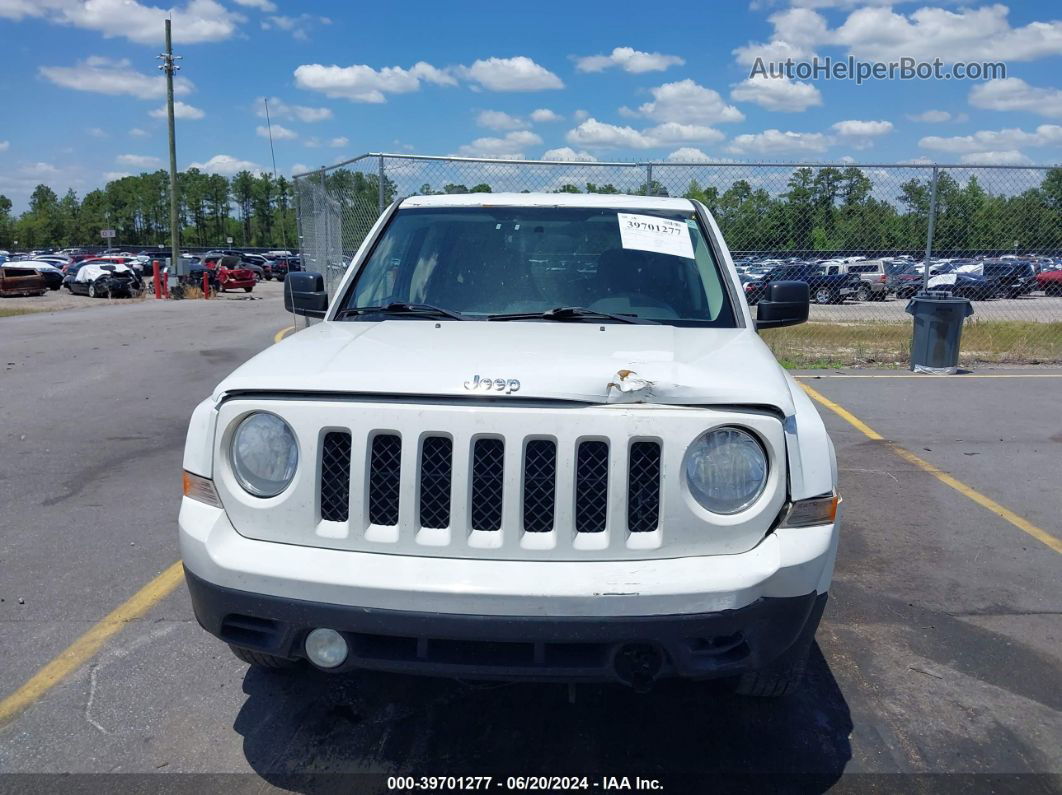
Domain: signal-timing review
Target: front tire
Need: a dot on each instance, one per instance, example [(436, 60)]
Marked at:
[(863, 293), (262, 660), (824, 295), (247, 289)]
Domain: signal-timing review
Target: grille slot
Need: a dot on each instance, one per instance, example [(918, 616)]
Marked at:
[(385, 467), (540, 485), (335, 476), (436, 475), (591, 487), (643, 487), (488, 473)]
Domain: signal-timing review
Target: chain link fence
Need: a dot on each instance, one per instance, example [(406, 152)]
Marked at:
[(865, 237)]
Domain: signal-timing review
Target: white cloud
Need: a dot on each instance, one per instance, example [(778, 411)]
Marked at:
[(226, 165), (339, 142), (299, 168), (114, 176), (510, 145), (39, 169), (879, 33), (541, 115), (776, 93), (689, 154), (629, 60), (689, 103), (181, 110), (299, 27), (963, 35), (861, 134), (1009, 157), (499, 120), (111, 76), (136, 132), (262, 5), (581, 115), (361, 83), (280, 133), (97, 132), (770, 142), (138, 161), (995, 140), (510, 74), (796, 32), (933, 116), (279, 109), (4, 146), (1013, 93), (569, 154), (193, 22), (595, 134)]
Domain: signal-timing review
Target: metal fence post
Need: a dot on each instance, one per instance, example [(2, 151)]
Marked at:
[(380, 188), (648, 178), (929, 228)]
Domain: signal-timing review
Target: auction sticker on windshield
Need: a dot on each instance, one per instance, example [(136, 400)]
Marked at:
[(650, 233)]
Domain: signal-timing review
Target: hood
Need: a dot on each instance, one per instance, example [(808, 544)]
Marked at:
[(586, 362)]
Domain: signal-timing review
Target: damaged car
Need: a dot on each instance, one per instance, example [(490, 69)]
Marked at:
[(530, 437), (103, 280)]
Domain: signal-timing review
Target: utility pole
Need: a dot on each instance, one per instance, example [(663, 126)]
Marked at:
[(169, 65)]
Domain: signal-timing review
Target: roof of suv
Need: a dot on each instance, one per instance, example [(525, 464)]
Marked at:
[(619, 200)]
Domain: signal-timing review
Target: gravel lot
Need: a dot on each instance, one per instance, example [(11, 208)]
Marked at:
[(1030, 309)]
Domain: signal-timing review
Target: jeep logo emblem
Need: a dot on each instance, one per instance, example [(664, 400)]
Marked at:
[(506, 385)]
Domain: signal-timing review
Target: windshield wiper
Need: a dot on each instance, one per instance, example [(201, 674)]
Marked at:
[(563, 313), (400, 308)]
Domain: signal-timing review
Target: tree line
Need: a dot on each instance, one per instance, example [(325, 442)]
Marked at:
[(253, 210), (821, 209)]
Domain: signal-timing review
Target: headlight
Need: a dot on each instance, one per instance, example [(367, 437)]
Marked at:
[(264, 454), (726, 470)]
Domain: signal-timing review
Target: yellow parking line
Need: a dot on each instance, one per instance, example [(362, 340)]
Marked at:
[(84, 648), (988, 503)]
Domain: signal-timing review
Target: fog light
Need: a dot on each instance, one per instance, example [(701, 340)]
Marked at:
[(326, 648)]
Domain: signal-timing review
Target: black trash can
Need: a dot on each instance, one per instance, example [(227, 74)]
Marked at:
[(938, 318)]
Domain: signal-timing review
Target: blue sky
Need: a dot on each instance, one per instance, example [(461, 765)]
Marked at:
[(572, 80)]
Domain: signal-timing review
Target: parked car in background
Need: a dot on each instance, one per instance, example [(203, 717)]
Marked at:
[(52, 274), (19, 279), (824, 288), (261, 265), (284, 265), (103, 280), (871, 272), (1012, 278), (234, 274), (1050, 281), (951, 278)]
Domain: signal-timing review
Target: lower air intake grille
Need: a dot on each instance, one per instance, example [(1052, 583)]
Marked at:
[(643, 488), (436, 475), (488, 472), (591, 487), (540, 481), (335, 476), (384, 478)]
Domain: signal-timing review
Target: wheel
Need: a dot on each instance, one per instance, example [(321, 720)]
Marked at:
[(784, 675), (269, 277), (263, 660), (824, 295), (247, 289), (863, 293), (94, 293)]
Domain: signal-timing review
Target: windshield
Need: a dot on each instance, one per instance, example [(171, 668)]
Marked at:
[(485, 262)]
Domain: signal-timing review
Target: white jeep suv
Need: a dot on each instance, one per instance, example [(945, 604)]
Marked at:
[(536, 436)]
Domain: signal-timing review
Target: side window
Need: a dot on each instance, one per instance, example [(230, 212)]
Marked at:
[(832, 270)]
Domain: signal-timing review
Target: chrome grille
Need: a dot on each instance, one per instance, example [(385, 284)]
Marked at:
[(643, 487), (540, 485), (591, 487), (488, 478), (385, 479), (436, 475), (335, 476)]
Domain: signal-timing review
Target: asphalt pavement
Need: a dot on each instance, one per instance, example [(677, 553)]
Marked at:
[(939, 655)]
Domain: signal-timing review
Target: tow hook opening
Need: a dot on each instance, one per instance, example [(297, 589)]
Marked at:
[(638, 665)]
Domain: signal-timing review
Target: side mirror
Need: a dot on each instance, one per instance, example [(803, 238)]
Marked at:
[(783, 304), (304, 294)]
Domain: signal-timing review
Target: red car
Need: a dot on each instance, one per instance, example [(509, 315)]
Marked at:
[(228, 275), (1050, 282)]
